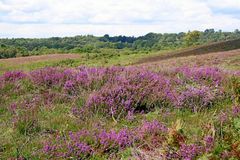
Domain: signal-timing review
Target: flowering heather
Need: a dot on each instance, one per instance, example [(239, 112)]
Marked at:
[(93, 78), (84, 143), (85, 76), (69, 86), (189, 151), (12, 76), (206, 75), (115, 140), (71, 146), (151, 128), (131, 91), (223, 117), (96, 112), (77, 145), (136, 90), (209, 143), (81, 77), (196, 98), (236, 110), (118, 91), (47, 77)]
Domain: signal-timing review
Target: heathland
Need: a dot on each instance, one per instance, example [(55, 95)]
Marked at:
[(158, 96)]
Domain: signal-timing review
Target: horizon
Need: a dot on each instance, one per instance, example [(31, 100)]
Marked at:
[(114, 35), (45, 19)]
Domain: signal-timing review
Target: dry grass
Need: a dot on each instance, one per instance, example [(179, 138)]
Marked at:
[(34, 62), (30, 59), (193, 51), (225, 60)]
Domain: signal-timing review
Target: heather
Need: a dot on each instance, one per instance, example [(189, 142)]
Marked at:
[(131, 112)]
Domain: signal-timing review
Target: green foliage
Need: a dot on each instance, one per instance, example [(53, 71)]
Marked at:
[(7, 52), (26, 121), (22, 134), (236, 124), (67, 62), (236, 88), (192, 38), (92, 44)]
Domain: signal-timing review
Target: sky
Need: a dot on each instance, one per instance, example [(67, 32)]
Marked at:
[(59, 18)]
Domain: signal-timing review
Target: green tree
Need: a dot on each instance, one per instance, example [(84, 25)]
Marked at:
[(192, 38)]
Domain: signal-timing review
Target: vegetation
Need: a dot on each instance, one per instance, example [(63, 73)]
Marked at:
[(91, 44), (120, 112), (97, 106)]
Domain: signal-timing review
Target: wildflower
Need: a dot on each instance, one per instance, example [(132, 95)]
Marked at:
[(235, 111), (223, 117), (209, 143)]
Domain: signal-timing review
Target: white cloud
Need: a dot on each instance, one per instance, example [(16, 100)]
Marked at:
[(45, 18), (224, 3)]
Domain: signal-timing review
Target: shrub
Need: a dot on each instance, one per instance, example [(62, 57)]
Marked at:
[(132, 91), (198, 98), (204, 75)]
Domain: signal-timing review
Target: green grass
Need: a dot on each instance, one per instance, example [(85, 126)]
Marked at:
[(106, 58)]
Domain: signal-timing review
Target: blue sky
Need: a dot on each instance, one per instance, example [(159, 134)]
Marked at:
[(47, 18)]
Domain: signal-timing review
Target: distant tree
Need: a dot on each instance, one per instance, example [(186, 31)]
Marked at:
[(3, 46), (191, 37), (105, 38), (207, 31), (236, 31), (12, 47)]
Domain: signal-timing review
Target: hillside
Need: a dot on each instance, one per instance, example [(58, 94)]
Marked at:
[(116, 104), (183, 107), (199, 50), (150, 42)]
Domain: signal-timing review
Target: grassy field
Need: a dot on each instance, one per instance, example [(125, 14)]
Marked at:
[(72, 60), (181, 107), (221, 54)]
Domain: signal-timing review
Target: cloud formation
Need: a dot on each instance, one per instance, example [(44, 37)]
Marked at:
[(46, 18)]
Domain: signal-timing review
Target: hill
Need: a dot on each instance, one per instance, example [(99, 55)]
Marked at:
[(199, 50)]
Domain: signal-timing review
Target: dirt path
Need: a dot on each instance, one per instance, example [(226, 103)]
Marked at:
[(24, 60)]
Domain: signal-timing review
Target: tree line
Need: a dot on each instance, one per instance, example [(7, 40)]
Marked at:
[(14, 47)]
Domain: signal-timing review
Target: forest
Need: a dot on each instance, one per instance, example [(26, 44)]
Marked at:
[(18, 47)]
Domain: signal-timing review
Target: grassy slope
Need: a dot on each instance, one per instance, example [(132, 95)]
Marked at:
[(109, 57), (74, 60), (14, 144), (192, 51), (227, 60)]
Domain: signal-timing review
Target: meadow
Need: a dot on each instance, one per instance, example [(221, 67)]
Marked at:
[(85, 107), (159, 96)]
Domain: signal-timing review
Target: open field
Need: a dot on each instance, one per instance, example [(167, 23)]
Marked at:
[(175, 108), (107, 58), (33, 59), (120, 80), (220, 58), (31, 62)]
